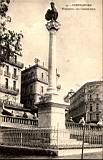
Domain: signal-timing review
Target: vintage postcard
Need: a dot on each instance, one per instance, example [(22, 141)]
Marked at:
[(51, 79)]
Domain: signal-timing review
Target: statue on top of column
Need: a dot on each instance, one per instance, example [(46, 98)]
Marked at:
[(52, 13)]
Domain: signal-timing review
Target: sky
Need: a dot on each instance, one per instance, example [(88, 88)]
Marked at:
[(79, 40)]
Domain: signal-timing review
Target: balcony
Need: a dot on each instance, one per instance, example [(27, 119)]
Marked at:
[(8, 90), (42, 80), (7, 74), (18, 122), (11, 104), (15, 63), (14, 76), (97, 99), (90, 100)]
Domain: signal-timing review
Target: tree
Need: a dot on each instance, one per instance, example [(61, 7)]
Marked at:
[(10, 41), (4, 7)]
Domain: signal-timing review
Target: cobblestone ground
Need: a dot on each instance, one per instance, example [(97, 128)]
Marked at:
[(97, 155)]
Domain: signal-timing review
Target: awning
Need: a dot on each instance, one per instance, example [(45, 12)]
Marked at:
[(17, 113), (6, 112)]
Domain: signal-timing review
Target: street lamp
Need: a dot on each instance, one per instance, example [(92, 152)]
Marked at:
[(100, 123), (82, 122)]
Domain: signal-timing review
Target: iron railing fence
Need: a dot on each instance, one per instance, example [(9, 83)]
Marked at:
[(15, 63), (34, 138), (8, 74), (44, 138), (93, 133), (8, 89), (21, 122), (15, 76), (10, 103)]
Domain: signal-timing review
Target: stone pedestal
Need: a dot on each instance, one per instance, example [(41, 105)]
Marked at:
[(51, 115)]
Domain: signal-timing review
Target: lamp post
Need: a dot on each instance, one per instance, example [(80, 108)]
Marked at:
[(82, 122), (102, 136), (102, 141), (82, 155), (101, 124)]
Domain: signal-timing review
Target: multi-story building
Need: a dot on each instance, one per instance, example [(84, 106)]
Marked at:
[(10, 79), (10, 87), (34, 83), (87, 102)]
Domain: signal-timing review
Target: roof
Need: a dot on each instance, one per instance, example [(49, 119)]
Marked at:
[(16, 108), (35, 66), (88, 83)]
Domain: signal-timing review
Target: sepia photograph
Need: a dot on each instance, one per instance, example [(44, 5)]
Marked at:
[(51, 79)]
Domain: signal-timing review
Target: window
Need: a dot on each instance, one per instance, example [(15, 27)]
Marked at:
[(14, 99), (15, 58), (15, 71), (90, 117), (91, 109), (6, 83), (97, 95), (7, 69), (42, 89), (47, 77), (42, 76), (97, 107), (14, 85), (97, 117)]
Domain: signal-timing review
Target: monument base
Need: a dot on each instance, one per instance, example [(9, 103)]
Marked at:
[(51, 115), (55, 98), (51, 112)]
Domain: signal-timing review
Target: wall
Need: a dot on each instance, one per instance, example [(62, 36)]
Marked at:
[(84, 102), (11, 97)]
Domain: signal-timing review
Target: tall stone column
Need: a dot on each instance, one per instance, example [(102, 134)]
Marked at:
[(52, 27), (51, 110)]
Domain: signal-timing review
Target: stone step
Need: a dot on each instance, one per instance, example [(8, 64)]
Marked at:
[(77, 151), (74, 141)]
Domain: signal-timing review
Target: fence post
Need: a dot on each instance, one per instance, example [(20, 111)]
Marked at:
[(102, 140), (57, 135), (82, 155), (90, 132), (21, 138)]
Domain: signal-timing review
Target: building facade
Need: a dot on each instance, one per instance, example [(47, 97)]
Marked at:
[(10, 79), (10, 87), (87, 102), (34, 83)]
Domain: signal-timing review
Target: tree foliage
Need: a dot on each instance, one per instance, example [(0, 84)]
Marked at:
[(10, 41), (4, 7)]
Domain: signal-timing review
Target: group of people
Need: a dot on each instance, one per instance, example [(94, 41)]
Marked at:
[(82, 121)]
